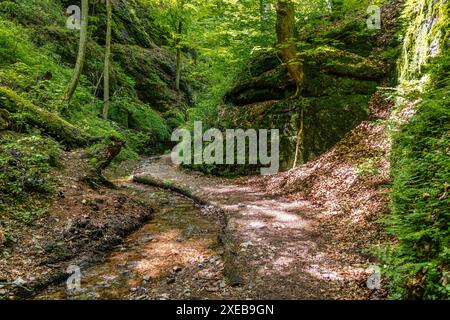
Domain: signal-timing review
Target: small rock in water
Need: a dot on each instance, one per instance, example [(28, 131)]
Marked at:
[(19, 281), (177, 269), (247, 245), (147, 278), (165, 296)]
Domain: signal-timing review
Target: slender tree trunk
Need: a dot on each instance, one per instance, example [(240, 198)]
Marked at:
[(107, 60), (288, 51), (299, 142), (178, 77), (81, 53), (264, 8), (286, 41)]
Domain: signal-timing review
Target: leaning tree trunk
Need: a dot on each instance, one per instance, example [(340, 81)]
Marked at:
[(178, 77), (81, 53), (107, 60), (288, 52), (286, 41)]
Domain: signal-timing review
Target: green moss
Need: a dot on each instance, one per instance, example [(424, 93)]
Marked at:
[(328, 71), (417, 264), (25, 182), (428, 25), (50, 123)]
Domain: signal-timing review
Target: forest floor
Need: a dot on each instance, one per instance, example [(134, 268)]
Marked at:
[(299, 244), (300, 234)]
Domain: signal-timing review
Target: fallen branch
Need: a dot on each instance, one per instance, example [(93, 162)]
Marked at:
[(169, 185)]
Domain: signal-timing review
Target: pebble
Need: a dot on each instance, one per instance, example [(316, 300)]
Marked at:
[(177, 269), (247, 245), (212, 289), (170, 280), (147, 278), (19, 281)]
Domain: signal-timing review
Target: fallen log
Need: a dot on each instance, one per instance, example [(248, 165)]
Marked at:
[(169, 185), (48, 122)]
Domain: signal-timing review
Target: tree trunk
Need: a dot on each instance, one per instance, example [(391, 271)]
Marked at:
[(81, 53), (103, 159), (264, 12), (178, 77), (286, 41), (106, 155), (299, 142), (107, 60)]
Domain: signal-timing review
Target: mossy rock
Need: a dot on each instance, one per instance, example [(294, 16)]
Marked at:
[(153, 71), (327, 119), (328, 71)]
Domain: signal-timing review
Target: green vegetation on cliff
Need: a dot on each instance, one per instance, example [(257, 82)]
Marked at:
[(418, 263)]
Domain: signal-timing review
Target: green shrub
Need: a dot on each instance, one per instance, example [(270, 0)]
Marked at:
[(24, 174)]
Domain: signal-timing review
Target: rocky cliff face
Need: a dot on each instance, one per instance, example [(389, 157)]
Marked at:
[(338, 85), (425, 36)]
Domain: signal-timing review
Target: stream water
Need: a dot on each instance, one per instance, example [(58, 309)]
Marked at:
[(175, 255)]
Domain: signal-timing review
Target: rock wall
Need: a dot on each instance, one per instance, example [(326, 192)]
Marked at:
[(338, 85), (425, 34)]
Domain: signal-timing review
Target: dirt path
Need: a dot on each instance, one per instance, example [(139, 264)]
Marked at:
[(280, 248)]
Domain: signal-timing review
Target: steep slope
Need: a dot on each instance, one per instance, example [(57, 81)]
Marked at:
[(39, 169)]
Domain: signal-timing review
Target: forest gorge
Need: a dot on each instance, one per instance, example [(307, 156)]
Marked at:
[(91, 92)]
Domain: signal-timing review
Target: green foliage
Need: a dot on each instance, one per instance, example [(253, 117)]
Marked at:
[(25, 181), (418, 264)]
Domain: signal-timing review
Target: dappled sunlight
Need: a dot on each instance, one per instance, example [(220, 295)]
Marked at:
[(166, 251)]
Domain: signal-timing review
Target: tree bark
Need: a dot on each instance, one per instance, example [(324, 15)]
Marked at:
[(286, 41), (81, 53), (107, 154), (104, 157), (107, 60), (178, 77)]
